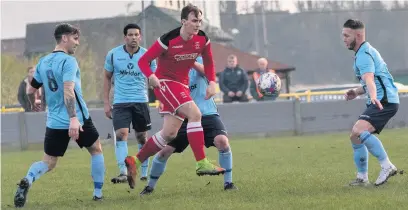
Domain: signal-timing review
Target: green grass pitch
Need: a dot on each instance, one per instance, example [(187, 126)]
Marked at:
[(306, 172)]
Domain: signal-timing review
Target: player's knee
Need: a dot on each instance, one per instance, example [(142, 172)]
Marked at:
[(169, 135), (141, 137), (221, 142), (355, 134), (96, 148), (195, 115), (122, 134), (51, 161)]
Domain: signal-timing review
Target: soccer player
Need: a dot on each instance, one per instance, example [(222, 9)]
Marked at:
[(130, 103), (177, 51), (215, 134), (67, 117), (382, 103)]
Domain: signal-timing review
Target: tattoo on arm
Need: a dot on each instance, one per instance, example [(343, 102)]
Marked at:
[(69, 99)]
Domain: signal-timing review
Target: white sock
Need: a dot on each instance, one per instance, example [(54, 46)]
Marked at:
[(362, 175), (386, 163)]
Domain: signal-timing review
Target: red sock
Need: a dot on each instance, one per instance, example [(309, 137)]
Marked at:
[(151, 147), (195, 137)]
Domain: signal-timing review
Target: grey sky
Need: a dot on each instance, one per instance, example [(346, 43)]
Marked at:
[(16, 14)]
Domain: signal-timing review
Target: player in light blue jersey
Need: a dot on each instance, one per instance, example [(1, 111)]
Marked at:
[(215, 133), (382, 103), (68, 117), (130, 97)]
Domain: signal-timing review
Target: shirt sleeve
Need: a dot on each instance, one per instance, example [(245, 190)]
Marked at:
[(208, 62), (109, 62), (152, 53), (36, 82), (365, 63), (69, 70)]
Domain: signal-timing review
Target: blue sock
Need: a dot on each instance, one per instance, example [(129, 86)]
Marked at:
[(373, 145), (98, 173), (36, 170), (121, 153), (158, 167), (145, 164), (360, 157), (225, 159)]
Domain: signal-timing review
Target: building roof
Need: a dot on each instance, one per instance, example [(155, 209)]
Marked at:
[(39, 36), (246, 61)]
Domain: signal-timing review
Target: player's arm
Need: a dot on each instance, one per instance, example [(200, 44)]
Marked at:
[(107, 79), (68, 76), (33, 87), (360, 90), (365, 64), (69, 98), (199, 67), (149, 56), (208, 61)]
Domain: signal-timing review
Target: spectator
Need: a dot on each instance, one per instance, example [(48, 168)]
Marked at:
[(253, 87), (233, 82), (22, 92)]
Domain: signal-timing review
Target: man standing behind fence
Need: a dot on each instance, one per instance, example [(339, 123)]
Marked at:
[(68, 116), (382, 103), (130, 103)]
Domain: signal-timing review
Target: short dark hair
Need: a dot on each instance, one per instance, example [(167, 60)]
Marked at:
[(188, 9), (130, 26), (354, 24), (64, 29)]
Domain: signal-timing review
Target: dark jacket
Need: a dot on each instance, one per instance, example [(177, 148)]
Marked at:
[(22, 96), (233, 80)]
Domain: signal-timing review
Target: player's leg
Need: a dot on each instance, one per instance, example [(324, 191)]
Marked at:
[(122, 117), (158, 167), (89, 139), (177, 145), (55, 144), (153, 145), (216, 135), (141, 138), (141, 124), (373, 121), (360, 154), (225, 159), (195, 135)]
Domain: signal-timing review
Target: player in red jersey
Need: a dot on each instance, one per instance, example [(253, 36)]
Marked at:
[(177, 51)]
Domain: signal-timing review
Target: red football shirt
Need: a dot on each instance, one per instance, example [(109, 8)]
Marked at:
[(176, 56)]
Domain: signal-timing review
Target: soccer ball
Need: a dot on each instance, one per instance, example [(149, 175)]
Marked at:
[(269, 84)]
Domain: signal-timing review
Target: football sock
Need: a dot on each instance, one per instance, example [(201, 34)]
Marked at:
[(36, 170), (145, 164), (98, 173), (121, 153), (225, 159), (195, 136), (360, 158), (151, 147), (158, 167), (374, 146)]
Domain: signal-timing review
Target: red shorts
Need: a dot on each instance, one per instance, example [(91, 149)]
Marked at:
[(172, 95)]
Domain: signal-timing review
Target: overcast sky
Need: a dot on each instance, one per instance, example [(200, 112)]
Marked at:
[(16, 14)]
